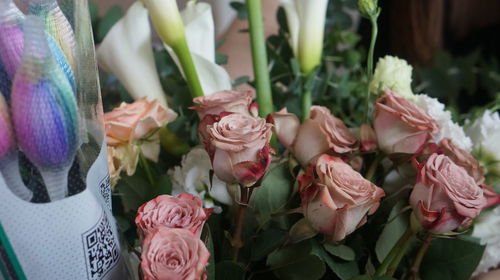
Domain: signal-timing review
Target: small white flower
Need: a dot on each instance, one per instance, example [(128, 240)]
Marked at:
[(485, 134), (193, 177), (486, 228), (392, 73), (447, 128)]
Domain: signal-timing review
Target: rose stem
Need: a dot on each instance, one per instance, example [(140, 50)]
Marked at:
[(397, 252), (259, 58), (237, 241), (147, 169), (415, 268)]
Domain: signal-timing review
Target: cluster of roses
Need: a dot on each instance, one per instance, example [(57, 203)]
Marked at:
[(170, 228)]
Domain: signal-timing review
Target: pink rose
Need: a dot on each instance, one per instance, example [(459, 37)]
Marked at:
[(401, 126), (492, 198), (368, 138), (463, 159), (184, 211), (238, 145), (224, 101), (335, 199), (131, 122), (321, 133), (445, 196), (173, 254)]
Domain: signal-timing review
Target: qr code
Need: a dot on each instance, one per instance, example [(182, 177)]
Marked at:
[(101, 249), (105, 189)]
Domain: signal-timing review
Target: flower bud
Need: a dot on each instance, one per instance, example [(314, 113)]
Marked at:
[(166, 20), (368, 8)]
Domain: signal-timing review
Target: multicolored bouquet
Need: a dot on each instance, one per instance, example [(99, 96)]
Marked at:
[(334, 172)]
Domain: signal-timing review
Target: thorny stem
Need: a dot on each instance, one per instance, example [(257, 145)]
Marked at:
[(415, 268), (237, 241)]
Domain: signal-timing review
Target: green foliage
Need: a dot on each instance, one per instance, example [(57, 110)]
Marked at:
[(104, 24), (227, 270), (451, 259), (241, 9), (397, 223)]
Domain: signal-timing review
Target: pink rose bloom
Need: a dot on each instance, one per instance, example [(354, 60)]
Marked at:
[(368, 138), (445, 196), (335, 199), (321, 133), (184, 211), (130, 122), (224, 101), (238, 145), (173, 254), (401, 126), (463, 159)]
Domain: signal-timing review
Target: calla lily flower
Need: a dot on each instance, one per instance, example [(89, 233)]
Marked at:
[(127, 52), (306, 24)]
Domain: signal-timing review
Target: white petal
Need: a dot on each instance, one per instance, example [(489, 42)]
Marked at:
[(293, 21), (126, 52)]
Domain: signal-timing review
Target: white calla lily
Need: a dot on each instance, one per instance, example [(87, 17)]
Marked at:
[(127, 52), (199, 27), (306, 24)]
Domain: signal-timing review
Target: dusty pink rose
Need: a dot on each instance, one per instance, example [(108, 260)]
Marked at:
[(335, 199), (184, 211), (321, 133), (173, 254), (401, 126), (492, 198), (368, 138), (238, 145), (445, 196), (463, 159), (224, 101), (130, 122)]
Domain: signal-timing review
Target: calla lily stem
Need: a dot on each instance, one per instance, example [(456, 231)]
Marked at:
[(369, 67), (306, 102), (259, 58), (181, 49)]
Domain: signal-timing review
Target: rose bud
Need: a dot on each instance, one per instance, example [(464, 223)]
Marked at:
[(368, 138), (224, 101), (401, 126), (321, 133), (337, 200), (445, 196), (492, 198), (463, 159), (238, 145), (185, 211), (173, 254)]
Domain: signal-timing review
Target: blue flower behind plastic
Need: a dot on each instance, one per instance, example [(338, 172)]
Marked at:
[(43, 105)]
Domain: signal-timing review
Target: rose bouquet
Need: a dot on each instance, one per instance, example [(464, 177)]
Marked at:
[(328, 169)]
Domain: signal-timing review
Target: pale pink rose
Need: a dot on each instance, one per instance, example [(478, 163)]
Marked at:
[(401, 126), (321, 133), (238, 145), (224, 101), (173, 254), (445, 196), (184, 211), (368, 138), (335, 199), (130, 122), (463, 159), (492, 198)]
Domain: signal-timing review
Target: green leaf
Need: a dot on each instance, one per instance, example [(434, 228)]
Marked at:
[(266, 242), (296, 263), (163, 186), (273, 194), (93, 11), (344, 270), (220, 59), (228, 270), (451, 259), (106, 22), (207, 239), (241, 9), (392, 231), (342, 251)]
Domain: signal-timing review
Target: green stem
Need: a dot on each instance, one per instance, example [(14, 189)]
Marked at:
[(306, 104), (259, 58), (373, 167), (415, 268), (11, 256), (369, 68), (181, 49), (397, 252), (147, 169)]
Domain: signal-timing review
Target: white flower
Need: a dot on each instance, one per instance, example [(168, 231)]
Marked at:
[(392, 73), (200, 36), (126, 52), (166, 20), (485, 134), (306, 24), (447, 128), (486, 228), (193, 176)]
